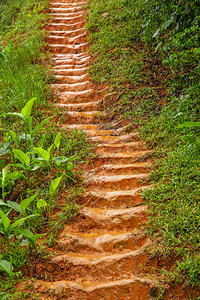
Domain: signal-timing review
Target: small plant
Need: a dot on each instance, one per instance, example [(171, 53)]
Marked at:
[(6, 266), (53, 187), (34, 158), (7, 180), (9, 229)]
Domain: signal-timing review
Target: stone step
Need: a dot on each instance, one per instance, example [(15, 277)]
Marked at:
[(63, 8), (76, 56), (60, 26), (115, 139), (134, 288), (71, 72), (100, 242), (78, 39), (65, 12), (67, 20), (66, 3), (117, 182), (73, 87), (70, 79), (92, 132), (84, 107), (75, 17), (122, 158), (101, 267), (111, 219), (71, 66), (81, 38), (85, 117), (120, 169), (112, 199), (77, 97), (118, 148), (64, 48), (68, 34)]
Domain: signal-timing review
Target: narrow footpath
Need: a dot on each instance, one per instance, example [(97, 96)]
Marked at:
[(103, 253)]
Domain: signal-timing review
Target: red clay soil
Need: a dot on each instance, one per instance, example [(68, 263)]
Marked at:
[(103, 254)]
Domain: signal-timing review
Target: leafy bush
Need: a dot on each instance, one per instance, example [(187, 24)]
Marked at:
[(174, 28)]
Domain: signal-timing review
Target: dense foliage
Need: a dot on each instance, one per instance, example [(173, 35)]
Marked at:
[(174, 28), (148, 52)]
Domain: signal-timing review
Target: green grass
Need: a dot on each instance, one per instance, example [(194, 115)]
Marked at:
[(156, 87), (23, 75)]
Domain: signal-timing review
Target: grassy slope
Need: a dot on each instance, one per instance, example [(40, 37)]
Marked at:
[(22, 73), (156, 93)]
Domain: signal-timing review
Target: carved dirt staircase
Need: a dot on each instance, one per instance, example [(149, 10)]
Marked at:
[(102, 255)]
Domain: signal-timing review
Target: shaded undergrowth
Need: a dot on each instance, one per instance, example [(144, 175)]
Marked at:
[(147, 52)]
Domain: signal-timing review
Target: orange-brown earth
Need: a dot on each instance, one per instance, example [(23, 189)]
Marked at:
[(103, 254)]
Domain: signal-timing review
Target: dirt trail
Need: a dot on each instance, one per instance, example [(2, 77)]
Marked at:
[(102, 255)]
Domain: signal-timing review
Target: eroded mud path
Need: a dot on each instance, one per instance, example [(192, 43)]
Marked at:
[(102, 255)]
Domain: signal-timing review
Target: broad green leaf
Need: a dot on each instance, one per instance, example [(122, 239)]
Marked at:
[(70, 167), (36, 167), (41, 143), (158, 46), (15, 206), (157, 32), (4, 174), (23, 157), (164, 25), (54, 185), (25, 203), (6, 266), (25, 136), (41, 204), (49, 149), (20, 221), (14, 137), (30, 124), (43, 153), (4, 220), (38, 159), (16, 114), (19, 166), (168, 22), (11, 175), (26, 110), (73, 158), (60, 159), (39, 126), (31, 236), (23, 243), (5, 149), (57, 140), (189, 124), (2, 163)]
